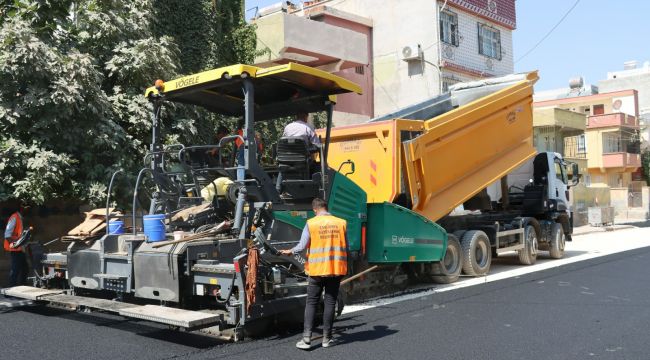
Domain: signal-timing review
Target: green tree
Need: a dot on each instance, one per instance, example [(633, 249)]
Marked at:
[(645, 164), (72, 78)]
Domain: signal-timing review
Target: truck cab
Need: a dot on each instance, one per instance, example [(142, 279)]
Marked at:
[(539, 188)]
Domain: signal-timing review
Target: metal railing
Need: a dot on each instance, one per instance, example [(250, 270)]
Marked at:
[(620, 144), (575, 147)]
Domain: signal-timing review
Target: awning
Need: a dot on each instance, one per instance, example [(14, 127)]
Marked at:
[(279, 91)]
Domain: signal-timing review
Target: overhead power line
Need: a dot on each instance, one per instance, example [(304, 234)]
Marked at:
[(549, 32)]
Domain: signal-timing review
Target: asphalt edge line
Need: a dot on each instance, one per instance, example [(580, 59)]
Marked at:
[(508, 274)]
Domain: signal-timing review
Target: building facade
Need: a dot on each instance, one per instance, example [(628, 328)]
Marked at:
[(610, 143), (558, 130), (400, 52), (634, 77)]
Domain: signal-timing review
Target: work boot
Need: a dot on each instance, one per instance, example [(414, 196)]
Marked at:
[(304, 344)]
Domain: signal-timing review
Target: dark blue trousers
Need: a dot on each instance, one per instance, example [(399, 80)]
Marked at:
[(18, 274)]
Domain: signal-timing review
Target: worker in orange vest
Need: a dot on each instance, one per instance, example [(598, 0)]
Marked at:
[(239, 146), (324, 237), (13, 231)]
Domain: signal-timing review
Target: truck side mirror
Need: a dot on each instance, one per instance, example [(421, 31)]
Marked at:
[(574, 176)]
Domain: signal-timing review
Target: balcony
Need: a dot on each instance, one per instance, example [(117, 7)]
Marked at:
[(621, 150), (575, 147), (615, 119), (621, 160), (284, 38), (556, 117)]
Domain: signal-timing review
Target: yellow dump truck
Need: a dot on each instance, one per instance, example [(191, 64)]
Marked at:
[(439, 159)]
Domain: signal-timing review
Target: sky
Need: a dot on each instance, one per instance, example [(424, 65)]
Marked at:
[(597, 36)]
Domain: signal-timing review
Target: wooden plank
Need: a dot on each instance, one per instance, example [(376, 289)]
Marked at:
[(29, 292)]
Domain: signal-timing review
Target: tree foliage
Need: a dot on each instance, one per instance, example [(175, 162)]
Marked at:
[(645, 164), (72, 78)]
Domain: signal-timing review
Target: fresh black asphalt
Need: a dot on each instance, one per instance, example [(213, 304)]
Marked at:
[(595, 309)]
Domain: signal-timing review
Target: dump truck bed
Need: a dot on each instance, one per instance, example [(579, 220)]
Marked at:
[(436, 164)]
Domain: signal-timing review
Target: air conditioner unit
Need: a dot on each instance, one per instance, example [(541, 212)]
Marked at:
[(411, 52)]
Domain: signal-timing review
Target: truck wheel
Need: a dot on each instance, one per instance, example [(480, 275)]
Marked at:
[(477, 253), (528, 255), (556, 249), (448, 269), (459, 234)]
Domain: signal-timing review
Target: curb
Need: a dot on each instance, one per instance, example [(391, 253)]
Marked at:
[(607, 229)]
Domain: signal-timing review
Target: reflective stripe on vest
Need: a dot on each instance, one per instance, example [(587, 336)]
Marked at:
[(328, 249), (15, 235)]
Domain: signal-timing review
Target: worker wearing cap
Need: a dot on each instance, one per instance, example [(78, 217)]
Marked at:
[(13, 231), (327, 262)]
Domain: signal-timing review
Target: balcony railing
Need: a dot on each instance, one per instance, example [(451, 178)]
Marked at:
[(620, 145), (621, 160), (575, 147), (614, 119)]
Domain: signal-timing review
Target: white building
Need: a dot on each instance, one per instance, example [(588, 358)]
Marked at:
[(634, 77), (413, 49)]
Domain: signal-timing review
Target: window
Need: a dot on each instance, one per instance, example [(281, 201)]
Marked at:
[(489, 41), (559, 171), (582, 143), (599, 109), (575, 146), (612, 143), (614, 180), (447, 81), (449, 28)]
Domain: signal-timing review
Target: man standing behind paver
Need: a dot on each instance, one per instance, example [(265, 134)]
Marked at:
[(12, 233), (327, 262)]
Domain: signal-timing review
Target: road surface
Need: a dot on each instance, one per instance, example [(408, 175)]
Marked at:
[(595, 306)]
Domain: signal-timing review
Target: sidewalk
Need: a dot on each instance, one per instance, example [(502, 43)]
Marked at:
[(588, 229)]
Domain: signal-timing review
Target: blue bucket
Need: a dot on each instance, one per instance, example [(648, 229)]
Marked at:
[(154, 227), (116, 227)]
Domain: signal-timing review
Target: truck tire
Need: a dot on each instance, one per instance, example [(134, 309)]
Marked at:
[(556, 248), (477, 253), (459, 234), (448, 269), (528, 255)]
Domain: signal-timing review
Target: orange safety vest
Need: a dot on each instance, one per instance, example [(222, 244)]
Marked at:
[(328, 251), (239, 142), (15, 235)]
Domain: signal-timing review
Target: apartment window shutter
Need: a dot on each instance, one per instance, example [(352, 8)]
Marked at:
[(498, 44), (454, 30), (480, 39)]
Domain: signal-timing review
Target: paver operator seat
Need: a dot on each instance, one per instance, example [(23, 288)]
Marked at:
[(296, 165)]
